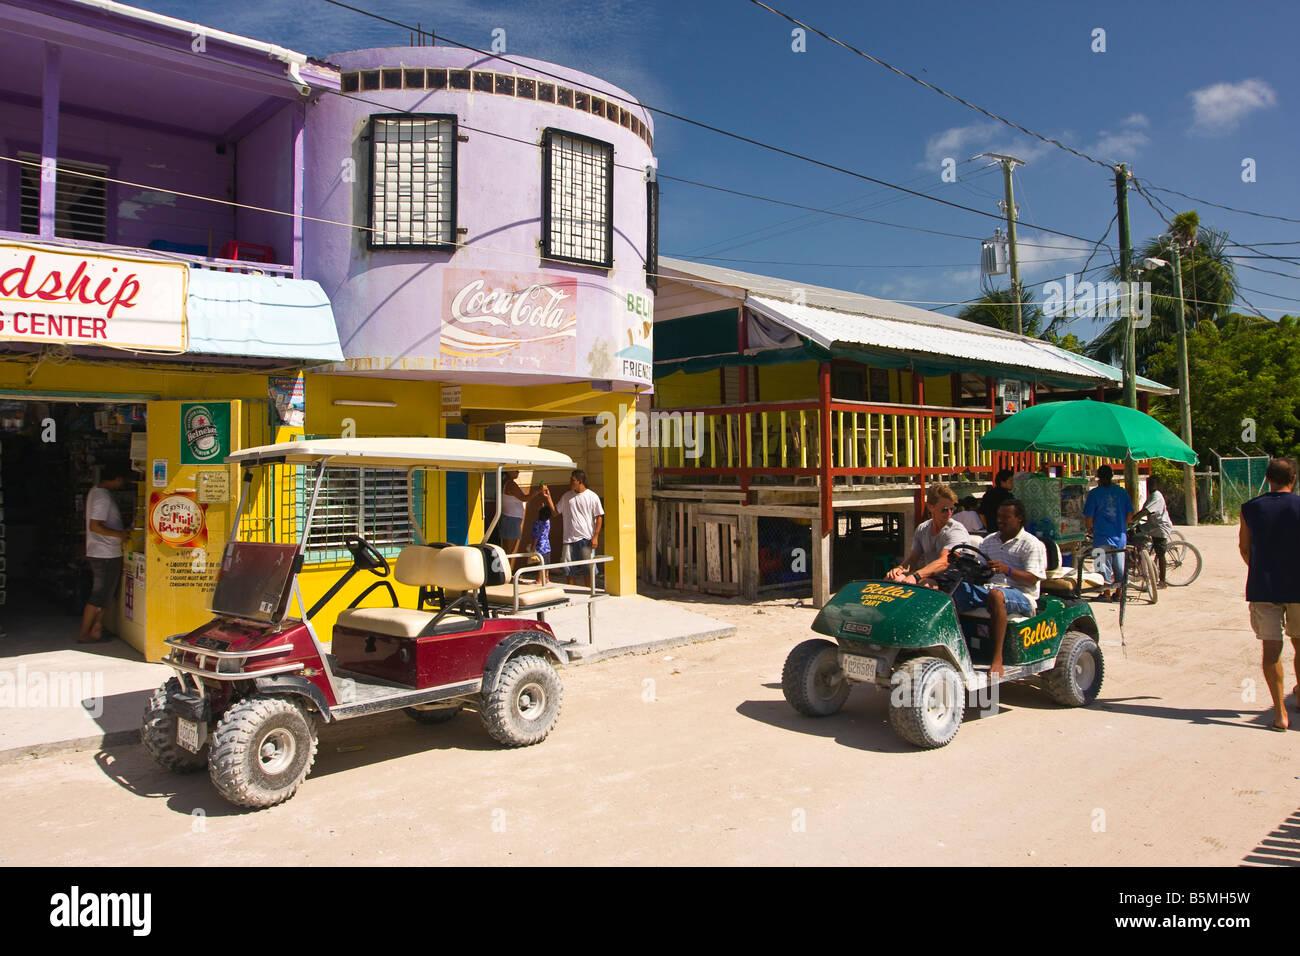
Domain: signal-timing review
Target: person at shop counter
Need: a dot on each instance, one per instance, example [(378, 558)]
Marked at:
[(104, 537)]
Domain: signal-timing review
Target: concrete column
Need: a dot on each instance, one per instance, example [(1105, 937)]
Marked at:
[(296, 183), (618, 536)]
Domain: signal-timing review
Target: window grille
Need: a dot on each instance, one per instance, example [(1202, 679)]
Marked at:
[(371, 502), (413, 181), (652, 235), (577, 199), (80, 199)]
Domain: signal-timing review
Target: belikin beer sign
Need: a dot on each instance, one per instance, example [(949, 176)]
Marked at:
[(74, 297)]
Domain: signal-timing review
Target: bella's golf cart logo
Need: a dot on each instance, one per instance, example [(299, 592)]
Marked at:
[(76, 909), (201, 433), (1042, 631), (874, 595)]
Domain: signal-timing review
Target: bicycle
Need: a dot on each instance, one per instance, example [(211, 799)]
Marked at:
[(1182, 558)]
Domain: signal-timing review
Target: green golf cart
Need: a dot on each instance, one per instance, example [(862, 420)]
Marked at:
[(911, 641)]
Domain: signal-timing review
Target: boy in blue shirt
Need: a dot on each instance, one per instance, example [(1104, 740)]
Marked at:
[(1106, 510)]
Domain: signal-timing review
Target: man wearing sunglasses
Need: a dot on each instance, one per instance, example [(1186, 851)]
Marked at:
[(933, 539)]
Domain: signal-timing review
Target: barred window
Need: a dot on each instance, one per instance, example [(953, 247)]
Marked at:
[(412, 181), (80, 199), (371, 502), (577, 199)]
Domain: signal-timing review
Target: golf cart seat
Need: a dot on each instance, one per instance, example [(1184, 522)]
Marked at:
[(983, 612), (1062, 580), (500, 592), (452, 568)]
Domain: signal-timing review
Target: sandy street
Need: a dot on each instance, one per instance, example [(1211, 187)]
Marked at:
[(692, 757)]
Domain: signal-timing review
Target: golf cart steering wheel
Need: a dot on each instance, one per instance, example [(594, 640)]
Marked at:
[(366, 555), (971, 561)]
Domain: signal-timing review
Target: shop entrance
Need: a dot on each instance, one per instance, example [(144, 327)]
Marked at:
[(50, 456)]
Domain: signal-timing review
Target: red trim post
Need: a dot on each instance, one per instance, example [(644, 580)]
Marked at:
[(1144, 401), (824, 417), (918, 398), (742, 342)]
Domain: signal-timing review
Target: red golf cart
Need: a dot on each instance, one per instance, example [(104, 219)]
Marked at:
[(252, 684)]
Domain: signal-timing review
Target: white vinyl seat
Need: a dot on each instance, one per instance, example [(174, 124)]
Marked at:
[(531, 595), (452, 568)]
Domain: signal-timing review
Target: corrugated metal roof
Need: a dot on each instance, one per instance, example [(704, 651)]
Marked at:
[(827, 316)]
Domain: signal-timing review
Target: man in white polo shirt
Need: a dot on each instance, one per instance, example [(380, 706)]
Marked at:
[(1019, 561), (580, 515)]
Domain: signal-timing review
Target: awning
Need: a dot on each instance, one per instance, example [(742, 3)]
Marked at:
[(261, 316)]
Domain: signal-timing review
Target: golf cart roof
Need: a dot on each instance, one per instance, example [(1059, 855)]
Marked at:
[(443, 454)]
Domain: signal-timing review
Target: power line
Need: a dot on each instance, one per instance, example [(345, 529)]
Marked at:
[(929, 86), (1206, 202)]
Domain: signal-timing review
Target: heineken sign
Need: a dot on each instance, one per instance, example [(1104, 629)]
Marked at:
[(205, 432)]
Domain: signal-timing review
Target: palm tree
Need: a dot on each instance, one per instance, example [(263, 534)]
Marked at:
[(1209, 288), (997, 310)]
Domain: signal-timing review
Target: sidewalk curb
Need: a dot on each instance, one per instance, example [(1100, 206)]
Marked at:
[(116, 738), (647, 647), (55, 748)]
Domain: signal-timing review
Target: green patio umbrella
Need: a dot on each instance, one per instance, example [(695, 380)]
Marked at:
[(1088, 428)]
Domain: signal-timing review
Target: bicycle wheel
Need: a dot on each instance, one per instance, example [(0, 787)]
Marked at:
[(1149, 577), (1182, 563)]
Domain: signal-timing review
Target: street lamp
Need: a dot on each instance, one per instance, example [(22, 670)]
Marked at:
[(1184, 395)]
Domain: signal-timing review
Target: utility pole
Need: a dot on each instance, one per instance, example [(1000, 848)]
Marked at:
[(1009, 163), (1130, 338), (1184, 393)]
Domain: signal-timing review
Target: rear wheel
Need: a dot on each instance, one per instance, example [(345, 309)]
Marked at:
[(262, 750), (812, 680), (1182, 563), (927, 701), (158, 734), (1075, 681), (525, 703)]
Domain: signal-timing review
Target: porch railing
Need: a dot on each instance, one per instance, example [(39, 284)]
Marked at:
[(784, 439), (199, 262)]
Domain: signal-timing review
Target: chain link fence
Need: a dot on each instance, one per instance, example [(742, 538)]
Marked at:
[(1240, 479)]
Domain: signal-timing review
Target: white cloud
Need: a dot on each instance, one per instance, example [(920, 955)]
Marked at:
[(962, 142), (1122, 142), (1218, 109)]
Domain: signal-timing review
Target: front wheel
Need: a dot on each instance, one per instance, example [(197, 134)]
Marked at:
[(158, 734), (1182, 563), (525, 703), (927, 700), (1075, 681), (262, 750), (812, 680)]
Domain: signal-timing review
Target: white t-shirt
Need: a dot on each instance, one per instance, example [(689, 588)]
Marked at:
[(1024, 552), (100, 506), (1159, 512), (579, 511), (511, 507), (932, 545), (970, 520)]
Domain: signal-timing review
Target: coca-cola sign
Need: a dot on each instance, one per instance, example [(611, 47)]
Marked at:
[(502, 319), (74, 297)]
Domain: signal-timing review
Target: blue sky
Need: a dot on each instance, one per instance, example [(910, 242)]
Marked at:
[(1184, 93)]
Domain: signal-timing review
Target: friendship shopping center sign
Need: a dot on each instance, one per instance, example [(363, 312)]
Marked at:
[(76, 297)]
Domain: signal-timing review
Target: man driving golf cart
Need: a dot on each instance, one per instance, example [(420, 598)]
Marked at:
[(1020, 562)]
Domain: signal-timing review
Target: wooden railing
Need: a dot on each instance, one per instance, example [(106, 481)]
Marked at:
[(783, 439)]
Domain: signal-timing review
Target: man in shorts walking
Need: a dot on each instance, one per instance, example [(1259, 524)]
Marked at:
[(1270, 528), (104, 537)]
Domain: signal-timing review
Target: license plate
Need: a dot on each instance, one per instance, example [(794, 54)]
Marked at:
[(187, 734), (858, 667)]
